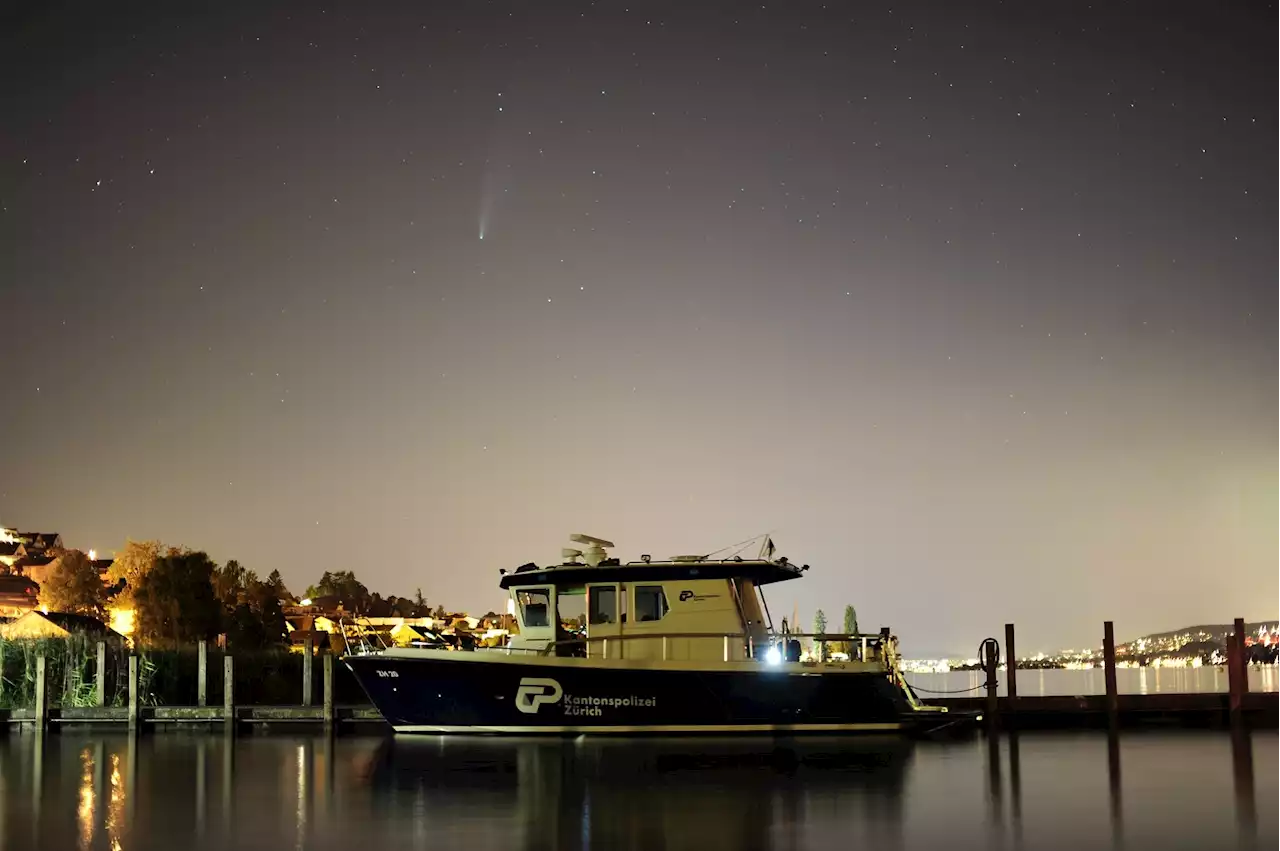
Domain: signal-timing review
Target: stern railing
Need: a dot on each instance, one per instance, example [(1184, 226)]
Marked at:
[(862, 647)]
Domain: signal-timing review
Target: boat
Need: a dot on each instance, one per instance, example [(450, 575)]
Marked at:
[(685, 645)]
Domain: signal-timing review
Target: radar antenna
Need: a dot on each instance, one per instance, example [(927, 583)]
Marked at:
[(595, 552)]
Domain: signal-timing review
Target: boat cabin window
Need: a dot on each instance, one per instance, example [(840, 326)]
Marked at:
[(604, 604), (571, 606), (651, 603), (535, 605)]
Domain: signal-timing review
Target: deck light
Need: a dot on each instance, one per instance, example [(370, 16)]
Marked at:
[(773, 656)]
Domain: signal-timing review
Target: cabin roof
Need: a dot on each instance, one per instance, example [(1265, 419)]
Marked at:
[(760, 572)]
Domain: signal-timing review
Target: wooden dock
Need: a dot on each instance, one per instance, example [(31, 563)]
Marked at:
[(1236, 708), (1112, 710), (136, 716), (159, 718)]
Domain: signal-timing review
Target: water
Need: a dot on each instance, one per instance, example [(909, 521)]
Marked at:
[(1161, 790), (1057, 681)]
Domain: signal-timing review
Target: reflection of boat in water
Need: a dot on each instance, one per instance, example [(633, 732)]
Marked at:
[(679, 646), (651, 792)]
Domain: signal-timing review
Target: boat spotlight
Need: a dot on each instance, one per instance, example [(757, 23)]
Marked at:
[(646, 558), (773, 656)]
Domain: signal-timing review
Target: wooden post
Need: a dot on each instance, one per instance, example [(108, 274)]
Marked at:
[(1237, 670), (100, 685), (42, 696), (1011, 663), (328, 692), (133, 693), (228, 692), (202, 673), (308, 650), (993, 684), (1109, 674)]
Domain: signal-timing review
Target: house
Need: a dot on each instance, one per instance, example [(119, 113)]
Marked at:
[(38, 624), (11, 552), (406, 634), (17, 595), (17, 547), (36, 569), (40, 542)]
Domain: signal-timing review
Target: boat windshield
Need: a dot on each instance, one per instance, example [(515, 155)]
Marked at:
[(535, 606)]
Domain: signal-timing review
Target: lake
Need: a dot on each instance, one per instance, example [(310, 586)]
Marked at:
[(1167, 790), (1058, 681)]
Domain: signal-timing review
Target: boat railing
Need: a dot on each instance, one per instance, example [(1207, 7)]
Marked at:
[(863, 647)]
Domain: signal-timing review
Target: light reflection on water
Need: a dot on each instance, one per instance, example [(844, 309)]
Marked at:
[(1167, 790)]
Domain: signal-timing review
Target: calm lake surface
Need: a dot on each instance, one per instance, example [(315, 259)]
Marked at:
[(1159, 790), (1058, 682)]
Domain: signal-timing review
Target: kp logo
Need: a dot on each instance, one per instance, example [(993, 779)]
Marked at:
[(535, 691)]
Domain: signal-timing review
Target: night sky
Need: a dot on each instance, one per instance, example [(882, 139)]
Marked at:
[(973, 306)]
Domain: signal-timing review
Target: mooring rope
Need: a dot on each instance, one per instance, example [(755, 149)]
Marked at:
[(982, 652), (915, 687)]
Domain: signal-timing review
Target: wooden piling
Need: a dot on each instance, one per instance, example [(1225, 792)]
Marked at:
[(328, 692), (1109, 674), (202, 673), (308, 651), (1011, 664), (100, 683), (133, 693), (989, 651), (1010, 676), (42, 696), (228, 692), (1237, 670)]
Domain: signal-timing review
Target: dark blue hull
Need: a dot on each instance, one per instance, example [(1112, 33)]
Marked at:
[(464, 693)]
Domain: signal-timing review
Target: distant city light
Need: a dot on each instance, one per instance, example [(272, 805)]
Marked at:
[(93, 555), (305, 601)]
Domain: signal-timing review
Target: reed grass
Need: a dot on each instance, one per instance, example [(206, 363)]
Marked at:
[(166, 676)]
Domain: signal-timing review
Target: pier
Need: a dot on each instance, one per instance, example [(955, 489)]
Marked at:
[(1112, 710), (1236, 708), (136, 716)]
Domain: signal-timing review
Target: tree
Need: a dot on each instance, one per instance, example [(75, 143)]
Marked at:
[(343, 584), (255, 618), (851, 620), (850, 627), (277, 585), (72, 584), (820, 628), (131, 565), (175, 600), (230, 583), (439, 612), (419, 601)]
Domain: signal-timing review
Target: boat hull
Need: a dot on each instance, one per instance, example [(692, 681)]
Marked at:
[(442, 692)]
